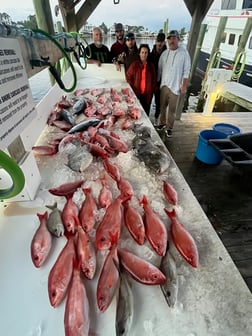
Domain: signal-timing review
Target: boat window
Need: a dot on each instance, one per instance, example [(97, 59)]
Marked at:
[(231, 39), (247, 4), (228, 4), (250, 43)]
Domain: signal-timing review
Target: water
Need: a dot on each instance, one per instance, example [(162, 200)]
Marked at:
[(40, 83)]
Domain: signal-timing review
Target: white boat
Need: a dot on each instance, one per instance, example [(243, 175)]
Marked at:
[(238, 12)]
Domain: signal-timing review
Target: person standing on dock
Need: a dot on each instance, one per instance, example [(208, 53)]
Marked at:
[(142, 77), (173, 73), (119, 46), (155, 54), (97, 52), (130, 55)]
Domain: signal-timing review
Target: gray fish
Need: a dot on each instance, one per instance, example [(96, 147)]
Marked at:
[(54, 222), (80, 159), (170, 287), (67, 116), (152, 155), (125, 306), (82, 126), (79, 106), (142, 131)]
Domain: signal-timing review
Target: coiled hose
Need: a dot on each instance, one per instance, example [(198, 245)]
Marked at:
[(16, 174), (238, 66), (39, 31)]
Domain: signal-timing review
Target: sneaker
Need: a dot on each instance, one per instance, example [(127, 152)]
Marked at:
[(168, 133), (156, 122), (160, 127)]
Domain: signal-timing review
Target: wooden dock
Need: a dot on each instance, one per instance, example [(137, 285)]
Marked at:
[(223, 191), (239, 94)]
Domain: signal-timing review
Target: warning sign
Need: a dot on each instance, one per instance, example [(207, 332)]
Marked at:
[(17, 107)]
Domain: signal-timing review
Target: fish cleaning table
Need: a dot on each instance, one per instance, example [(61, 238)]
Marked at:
[(212, 299)]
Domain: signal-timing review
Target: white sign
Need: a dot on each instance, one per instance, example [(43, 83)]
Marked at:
[(17, 107)]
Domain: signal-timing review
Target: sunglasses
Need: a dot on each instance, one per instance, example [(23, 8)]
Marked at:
[(119, 31)]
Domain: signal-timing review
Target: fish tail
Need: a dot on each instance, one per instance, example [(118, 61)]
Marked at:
[(70, 195), (43, 216), (86, 190), (170, 214), (144, 200), (76, 263), (52, 207)]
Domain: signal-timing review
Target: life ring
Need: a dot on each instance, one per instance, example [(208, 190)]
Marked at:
[(16, 174)]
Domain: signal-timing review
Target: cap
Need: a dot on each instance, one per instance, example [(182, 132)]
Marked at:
[(118, 26), (129, 36), (160, 37), (173, 33)]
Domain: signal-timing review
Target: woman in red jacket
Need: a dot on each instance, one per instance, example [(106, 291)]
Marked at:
[(141, 76)]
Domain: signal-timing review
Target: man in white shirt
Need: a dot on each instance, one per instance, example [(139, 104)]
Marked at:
[(173, 73)]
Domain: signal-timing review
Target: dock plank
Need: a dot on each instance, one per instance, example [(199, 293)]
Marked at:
[(223, 191)]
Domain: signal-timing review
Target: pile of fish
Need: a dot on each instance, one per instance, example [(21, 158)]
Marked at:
[(94, 226)]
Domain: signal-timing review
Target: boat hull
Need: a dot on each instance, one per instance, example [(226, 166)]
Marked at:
[(245, 78)]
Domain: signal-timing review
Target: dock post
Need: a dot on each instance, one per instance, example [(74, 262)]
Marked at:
[(215, 48)]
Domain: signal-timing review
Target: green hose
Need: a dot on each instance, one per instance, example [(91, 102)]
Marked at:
[(16, 174), (238, 66), (39, 31), (215, 60)]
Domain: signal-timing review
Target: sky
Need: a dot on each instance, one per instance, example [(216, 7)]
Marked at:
[(130, 12)]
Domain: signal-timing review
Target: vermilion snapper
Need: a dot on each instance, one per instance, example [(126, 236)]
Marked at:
[(170, 193), (76, 318), (109, 229), (112, 170), (141, 270), (88, 211), (182, 239), (70, 214), (45, 150), (42, 242), (66, 188), (108, 280), (126, 189), (155, 229), (105, 194), (86, 253), (61, 273), (134, 222)]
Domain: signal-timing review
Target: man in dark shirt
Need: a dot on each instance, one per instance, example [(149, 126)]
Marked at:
[(119, 46), (97, 52), (155, 54)]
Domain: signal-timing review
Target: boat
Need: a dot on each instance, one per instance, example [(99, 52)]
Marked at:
[(237, 12)]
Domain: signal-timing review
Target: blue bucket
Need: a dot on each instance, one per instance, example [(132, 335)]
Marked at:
[(205, 152), (226, 128)]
